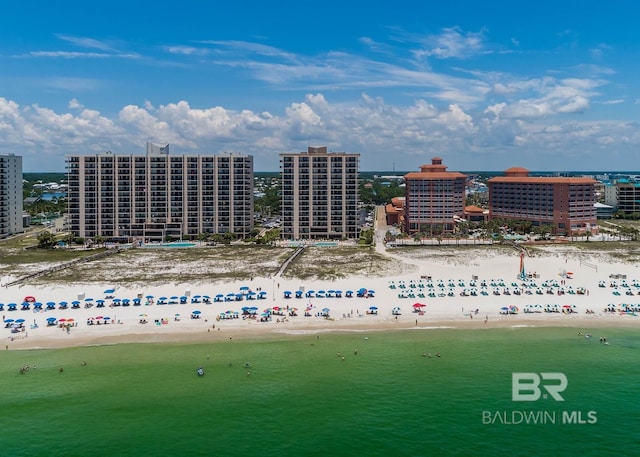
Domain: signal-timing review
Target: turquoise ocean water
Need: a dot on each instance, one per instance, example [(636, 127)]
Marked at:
[(315, 396)]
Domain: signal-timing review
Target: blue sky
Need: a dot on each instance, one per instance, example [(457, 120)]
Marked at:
[(485, 85)]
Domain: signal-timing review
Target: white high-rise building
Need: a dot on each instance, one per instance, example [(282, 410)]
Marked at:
[(10, 194), (159, 196), (319, 194)]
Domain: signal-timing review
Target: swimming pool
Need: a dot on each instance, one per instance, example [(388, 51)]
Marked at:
[(178, 244), (326, 243)]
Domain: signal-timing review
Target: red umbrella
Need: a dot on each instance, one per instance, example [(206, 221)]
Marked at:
[(419, 305)]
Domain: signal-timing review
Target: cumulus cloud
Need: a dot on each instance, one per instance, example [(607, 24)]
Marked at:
[(380, 131), (74, 104)]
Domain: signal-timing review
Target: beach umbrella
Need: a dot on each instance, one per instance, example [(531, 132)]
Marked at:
[(99, 317), (162, 298), (106, 318), (75, 302), (371, 292), (62, 320), (149, 296), (19, 321), (8, 321), (88, 299), (373, 308), (109, 291), (100, 300), (196, 312), (142, 315), (51, 303), (51, 319)]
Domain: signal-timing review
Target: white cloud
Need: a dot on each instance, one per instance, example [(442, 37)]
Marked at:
[(74, 104), (381, 132), (451, 43), (86, 42), (79, 55), (186, 50)]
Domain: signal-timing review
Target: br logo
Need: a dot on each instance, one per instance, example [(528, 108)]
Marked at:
[(526, 386)]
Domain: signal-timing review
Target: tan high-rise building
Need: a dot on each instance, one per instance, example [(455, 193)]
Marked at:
[(319, 194), (158, 196)]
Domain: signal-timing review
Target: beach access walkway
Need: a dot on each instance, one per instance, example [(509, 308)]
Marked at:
[(63, 266), (286, 263)]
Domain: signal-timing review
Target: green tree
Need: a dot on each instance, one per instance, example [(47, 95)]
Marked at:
[(46, 240)]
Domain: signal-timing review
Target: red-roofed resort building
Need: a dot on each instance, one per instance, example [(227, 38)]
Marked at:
[(434, 199), (566, 204)]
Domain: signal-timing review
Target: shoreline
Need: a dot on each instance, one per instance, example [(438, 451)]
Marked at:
[(206, 334)]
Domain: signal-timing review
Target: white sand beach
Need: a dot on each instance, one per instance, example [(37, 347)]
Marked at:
[(451, 291)]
